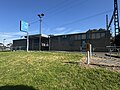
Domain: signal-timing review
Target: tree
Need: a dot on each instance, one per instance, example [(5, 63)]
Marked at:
[(9, 45), (1, 44)]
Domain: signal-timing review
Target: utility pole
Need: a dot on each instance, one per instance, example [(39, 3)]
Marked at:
[(40, 38), (115, 18), (106, 22)]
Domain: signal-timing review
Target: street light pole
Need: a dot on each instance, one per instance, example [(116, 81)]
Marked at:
[(49, 42), (4, 44), (40, 38), (4, 41)]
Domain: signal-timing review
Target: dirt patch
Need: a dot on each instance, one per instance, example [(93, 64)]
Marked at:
[(107, 63)]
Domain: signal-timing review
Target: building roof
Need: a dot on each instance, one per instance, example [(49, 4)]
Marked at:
[(89, 31), (37, 35)]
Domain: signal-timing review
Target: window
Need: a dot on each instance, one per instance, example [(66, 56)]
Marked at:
[(78, 37), (75, 37), (83, 36), (36, 40), (102, 34), (93, 35), (97, 35), (72, 37), (64, 36)]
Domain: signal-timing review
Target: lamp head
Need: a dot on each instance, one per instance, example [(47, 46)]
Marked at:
[(40, 15)]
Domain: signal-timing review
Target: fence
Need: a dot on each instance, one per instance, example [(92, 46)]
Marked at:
[(114, 50)]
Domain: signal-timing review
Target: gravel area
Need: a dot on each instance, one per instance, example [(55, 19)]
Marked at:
[(101, 60)]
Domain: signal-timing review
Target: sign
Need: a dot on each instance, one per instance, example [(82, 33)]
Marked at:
[(88, 46), (24, 26)]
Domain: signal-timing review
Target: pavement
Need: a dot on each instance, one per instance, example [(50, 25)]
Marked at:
[(106, 55)]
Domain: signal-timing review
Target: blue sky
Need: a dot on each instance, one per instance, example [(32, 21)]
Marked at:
[(61, 16)]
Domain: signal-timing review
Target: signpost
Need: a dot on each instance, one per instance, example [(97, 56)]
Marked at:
[(24, 28), (89, 54)]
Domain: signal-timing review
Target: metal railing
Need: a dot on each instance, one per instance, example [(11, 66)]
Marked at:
[(114, 50)]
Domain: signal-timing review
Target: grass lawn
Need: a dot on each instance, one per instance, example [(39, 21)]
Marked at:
[(49, 71)]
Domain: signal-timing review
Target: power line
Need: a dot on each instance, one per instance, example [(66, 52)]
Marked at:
[(46, 24), (58, 11), (59, 4), (75, 21), (86, 18), (67, 7), (89, 17), (48, 10), (34, 22), (78, 20)]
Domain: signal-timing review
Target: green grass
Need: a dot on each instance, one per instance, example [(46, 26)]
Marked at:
[(50, 71)]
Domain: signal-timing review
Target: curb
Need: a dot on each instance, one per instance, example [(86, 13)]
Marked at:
[(112, 55)]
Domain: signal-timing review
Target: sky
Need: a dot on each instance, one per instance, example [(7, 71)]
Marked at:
[(60, 16)]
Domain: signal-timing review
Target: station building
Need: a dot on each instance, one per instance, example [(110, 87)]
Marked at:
[(21, 44), (99, 39)]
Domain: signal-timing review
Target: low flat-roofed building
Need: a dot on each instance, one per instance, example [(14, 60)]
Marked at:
[(99, 39), (21, 44)]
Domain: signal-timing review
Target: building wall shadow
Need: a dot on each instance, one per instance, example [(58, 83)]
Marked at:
[(17, 87)]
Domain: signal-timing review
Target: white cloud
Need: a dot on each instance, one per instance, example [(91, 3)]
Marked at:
[(18, 34), (75, 31), (63, 30), (60, 29), (9, 37)]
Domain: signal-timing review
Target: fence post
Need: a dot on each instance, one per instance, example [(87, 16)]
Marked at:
[(90, 51), (88, 57), (88, 47)]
